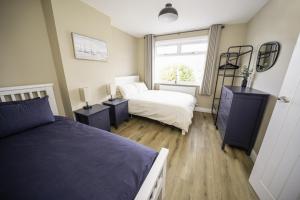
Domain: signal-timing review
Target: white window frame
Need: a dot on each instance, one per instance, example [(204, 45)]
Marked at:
[(178, 53), (179, 43)]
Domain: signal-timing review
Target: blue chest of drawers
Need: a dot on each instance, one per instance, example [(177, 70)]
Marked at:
[(240, 114)]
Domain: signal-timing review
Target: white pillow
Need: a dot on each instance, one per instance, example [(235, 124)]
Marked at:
[(141, 87), (128, 90)]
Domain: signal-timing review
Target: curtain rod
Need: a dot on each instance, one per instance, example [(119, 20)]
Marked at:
[(190, 31)]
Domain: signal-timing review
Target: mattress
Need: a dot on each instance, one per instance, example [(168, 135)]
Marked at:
[(169, 107), (71, 161)]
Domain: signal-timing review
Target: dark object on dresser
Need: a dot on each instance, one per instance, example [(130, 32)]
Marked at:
[(244, 82), (97, 116), (240, 114), (118, 111)]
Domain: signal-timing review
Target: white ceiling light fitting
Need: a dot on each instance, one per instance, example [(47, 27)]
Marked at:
[(168, 14)]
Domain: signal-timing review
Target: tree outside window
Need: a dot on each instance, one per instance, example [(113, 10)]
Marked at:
[(177, 72), (180, 61)]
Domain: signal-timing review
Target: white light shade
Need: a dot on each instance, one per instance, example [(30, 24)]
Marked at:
[(85, 94), (168, 17), (111, 89)]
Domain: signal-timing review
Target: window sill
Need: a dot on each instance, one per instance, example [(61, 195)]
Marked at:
[(174, 84)]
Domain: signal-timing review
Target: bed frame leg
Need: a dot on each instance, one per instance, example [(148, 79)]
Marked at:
[(182, 132)]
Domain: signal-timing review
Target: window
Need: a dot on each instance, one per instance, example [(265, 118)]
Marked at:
[(180, 61)]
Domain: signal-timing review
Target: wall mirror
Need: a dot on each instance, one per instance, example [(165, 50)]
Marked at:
[(267, 56)]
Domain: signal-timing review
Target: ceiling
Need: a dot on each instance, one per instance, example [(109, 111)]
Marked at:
[(140, 17)]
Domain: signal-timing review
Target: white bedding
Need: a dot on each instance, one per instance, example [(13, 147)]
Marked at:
[(173, 108)]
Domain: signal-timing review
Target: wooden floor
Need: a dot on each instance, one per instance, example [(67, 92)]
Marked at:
[(197, 167)]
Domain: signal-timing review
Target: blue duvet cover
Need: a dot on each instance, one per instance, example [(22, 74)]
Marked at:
[(66, 160)]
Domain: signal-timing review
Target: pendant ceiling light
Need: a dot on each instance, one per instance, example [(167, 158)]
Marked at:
[(168, 14)]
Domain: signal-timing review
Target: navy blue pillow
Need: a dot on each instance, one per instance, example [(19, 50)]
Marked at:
[(19, 116)]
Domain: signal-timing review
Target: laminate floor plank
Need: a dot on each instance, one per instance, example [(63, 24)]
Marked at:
[(197, 167)]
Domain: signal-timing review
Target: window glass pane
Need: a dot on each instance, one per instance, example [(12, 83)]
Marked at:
[(182, 69), (193, 48), (167, 73), (170, 49)]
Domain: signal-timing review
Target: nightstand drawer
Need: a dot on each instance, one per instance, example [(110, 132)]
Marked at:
[(118, 111), (121, 112), (100, 120), (97, 116)]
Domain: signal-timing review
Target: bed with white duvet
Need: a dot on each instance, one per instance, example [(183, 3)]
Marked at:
[(169, 107)]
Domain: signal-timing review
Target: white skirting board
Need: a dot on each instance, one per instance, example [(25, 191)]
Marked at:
[(201, 109), (253, 156)]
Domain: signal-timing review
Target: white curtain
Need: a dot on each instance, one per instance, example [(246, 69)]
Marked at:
[(211, 59), (149, 60)]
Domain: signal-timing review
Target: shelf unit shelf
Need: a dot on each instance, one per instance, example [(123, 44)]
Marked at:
[(229, 63)]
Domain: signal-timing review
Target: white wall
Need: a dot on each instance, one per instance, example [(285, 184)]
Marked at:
[(278, 21), (25, 53), (85, 20), (36, 47)]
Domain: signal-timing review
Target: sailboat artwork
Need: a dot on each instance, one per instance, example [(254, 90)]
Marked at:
[(88, 48)]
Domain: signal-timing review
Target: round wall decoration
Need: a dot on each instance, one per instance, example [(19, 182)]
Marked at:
[(267, 56)]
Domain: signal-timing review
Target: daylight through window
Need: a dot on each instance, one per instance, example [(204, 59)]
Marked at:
[(180, 61)]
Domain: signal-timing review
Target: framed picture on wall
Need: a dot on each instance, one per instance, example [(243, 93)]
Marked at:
[(88, 48)]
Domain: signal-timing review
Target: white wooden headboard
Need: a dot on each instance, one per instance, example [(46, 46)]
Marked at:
[(121, 80), (29, 92)]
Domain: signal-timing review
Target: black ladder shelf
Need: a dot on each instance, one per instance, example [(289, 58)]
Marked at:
[(229, 62)]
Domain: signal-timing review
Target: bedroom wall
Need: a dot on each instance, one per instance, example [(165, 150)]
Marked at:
[(25, 54), (75, 16), (276, 21)]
